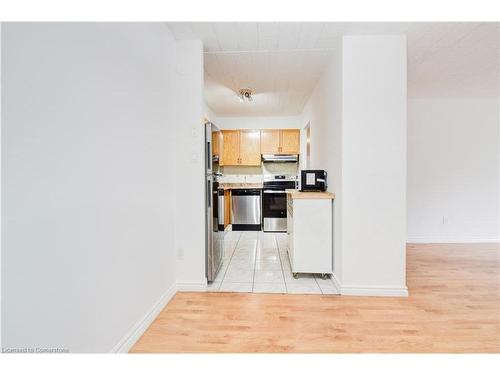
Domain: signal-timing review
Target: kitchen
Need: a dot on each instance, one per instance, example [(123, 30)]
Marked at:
[(254, 241), (299, 88)]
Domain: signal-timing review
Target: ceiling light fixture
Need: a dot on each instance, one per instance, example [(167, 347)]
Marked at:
[(245, 94)]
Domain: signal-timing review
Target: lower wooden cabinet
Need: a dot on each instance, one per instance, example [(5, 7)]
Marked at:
[(227, 208)]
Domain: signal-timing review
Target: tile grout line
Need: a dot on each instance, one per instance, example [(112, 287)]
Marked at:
[(254, 264), (281, 263), (230, 259), (286, 287)]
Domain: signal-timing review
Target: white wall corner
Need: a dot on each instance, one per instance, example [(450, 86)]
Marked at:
[(135, 333)]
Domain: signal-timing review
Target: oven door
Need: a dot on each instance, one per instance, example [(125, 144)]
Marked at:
[(274, 210)]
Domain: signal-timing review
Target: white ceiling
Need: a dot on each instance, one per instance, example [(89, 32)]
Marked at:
[(281, 62)]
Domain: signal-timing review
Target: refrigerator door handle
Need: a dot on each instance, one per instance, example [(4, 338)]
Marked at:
[(209, 193)]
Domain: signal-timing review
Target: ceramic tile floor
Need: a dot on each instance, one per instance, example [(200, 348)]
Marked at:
[(258, 262)]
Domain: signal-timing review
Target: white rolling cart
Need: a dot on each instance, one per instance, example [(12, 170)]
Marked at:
[(310, 232)]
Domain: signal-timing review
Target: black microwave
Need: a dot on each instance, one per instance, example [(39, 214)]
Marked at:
[(313, 180)]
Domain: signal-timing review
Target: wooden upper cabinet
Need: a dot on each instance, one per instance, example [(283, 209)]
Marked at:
[(245, 146), (215, 143), (230, 147), (240, 147), (250, 147), (270, 141), (290, 141), (280, 141)]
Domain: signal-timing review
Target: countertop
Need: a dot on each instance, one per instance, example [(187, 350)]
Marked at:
[(296, 194), (240, 185)]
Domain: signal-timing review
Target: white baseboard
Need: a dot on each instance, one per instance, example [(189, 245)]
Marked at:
[(192, 286), (368, 290), (423, 239), (379, 291), (126, 343)]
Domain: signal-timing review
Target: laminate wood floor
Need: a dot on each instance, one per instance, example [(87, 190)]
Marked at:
[(453, 307)]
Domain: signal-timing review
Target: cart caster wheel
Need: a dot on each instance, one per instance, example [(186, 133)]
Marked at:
[(324, 276), (295, 275)]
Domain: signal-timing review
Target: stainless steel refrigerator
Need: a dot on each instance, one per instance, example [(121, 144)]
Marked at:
[(214, 236)]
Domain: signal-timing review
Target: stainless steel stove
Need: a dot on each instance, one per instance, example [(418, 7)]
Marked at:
[(274, 201)]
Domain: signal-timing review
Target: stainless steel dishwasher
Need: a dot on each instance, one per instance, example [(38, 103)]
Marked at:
[(246, 209)]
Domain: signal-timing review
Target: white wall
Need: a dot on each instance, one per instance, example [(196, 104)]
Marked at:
[(208, 113), (453, 170), (323, 112), (189, 167), (1, 225), (357, 114), (272, 122), (374, 164), (88, 198)]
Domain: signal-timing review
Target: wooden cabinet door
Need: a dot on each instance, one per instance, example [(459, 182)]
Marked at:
[(270, 141), (290, 141), (227, 208), (230, 147), (250, 147), (215, 143)]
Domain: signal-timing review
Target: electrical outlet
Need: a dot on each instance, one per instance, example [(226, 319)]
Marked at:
[(180, 253), (445, 220)]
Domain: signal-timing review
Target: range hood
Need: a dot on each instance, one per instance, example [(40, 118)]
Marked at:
[(280, 158)]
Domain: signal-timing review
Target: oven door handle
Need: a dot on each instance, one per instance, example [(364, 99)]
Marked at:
[(274, 191)]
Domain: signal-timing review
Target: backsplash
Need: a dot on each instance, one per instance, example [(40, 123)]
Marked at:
[(233, 170), (255, 174), (266, 168)]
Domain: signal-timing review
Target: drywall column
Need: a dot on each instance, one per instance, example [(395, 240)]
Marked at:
[(189, 167), (373, 165)]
